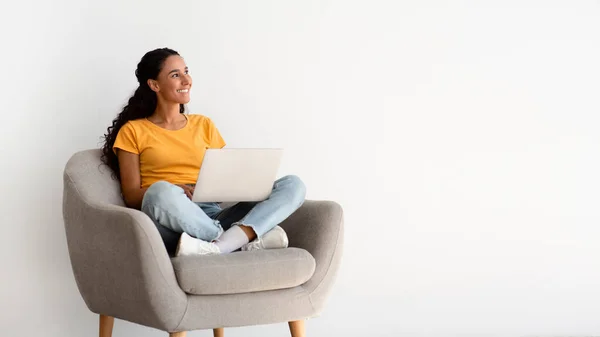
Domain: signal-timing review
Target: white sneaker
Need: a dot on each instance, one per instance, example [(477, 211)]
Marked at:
[(273, 239), (189, 245)]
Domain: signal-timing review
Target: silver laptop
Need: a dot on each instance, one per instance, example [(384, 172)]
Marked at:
[(233, 175)]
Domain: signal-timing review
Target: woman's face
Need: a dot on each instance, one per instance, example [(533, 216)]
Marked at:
[(174, 82)]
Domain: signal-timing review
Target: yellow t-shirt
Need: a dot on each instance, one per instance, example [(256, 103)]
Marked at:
[(171, 155)]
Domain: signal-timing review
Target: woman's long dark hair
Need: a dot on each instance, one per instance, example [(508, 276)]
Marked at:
[(141, 105)]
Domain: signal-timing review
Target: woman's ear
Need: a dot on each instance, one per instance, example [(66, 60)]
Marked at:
[(153, 85)]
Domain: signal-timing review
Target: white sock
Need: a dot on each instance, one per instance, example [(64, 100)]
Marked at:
[(232, 239)]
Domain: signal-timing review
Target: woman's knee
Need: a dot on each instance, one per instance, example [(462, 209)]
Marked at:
[(159, 193), (296, 187)]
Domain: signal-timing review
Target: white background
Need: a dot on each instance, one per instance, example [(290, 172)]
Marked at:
[(461, 138)]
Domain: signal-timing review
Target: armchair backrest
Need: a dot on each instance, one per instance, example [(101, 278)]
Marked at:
[(93, 179)]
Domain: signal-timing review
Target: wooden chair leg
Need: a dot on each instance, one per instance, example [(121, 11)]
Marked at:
[(297, 328), (106, 325), (219, 332)]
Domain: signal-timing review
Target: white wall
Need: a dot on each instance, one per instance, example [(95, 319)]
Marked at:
[(460, 138)]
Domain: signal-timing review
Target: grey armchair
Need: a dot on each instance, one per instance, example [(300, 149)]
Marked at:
[(123, 269)]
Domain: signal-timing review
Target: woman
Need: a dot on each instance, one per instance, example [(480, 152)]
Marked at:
[(155, 150)]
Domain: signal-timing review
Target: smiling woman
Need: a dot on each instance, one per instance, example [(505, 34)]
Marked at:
[(156, 151)]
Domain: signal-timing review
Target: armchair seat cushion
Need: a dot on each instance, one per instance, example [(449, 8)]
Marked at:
[(243, 272)]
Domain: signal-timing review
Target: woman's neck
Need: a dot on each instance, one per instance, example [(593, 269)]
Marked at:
[(166, 113)]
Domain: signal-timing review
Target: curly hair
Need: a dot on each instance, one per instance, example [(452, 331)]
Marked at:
[(141, 105)]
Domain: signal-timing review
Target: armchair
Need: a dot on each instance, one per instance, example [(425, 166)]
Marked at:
[(123, 270)]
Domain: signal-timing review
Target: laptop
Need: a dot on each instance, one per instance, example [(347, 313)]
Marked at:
[(236, 174)]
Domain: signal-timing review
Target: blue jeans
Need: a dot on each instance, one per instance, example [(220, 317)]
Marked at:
[(173, 212)]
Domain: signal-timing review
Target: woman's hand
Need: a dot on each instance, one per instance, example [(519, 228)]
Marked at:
[(189, 190)]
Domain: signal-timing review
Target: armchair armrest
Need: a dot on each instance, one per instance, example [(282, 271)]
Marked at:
[(318, 227), (119, 261)]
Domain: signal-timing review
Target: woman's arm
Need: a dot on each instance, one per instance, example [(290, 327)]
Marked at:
[(129, 166)]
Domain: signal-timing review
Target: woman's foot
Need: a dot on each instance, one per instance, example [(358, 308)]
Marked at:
[(189, 245), (273, 239)]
